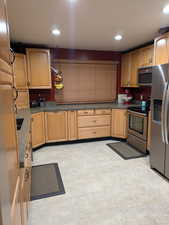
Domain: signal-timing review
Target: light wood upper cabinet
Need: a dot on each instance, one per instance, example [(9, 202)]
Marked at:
[(161, 50), (22, 100), (146, 56), (125, 70), (20, 72), (39, 72), (38, 129), (56, 126), (4, 33), (134, 68), (119, 123), (72, 125)]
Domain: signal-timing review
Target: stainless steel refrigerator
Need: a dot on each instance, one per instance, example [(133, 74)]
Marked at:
[(159, 154)]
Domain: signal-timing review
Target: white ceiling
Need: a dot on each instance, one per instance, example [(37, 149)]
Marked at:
[(86, 24)]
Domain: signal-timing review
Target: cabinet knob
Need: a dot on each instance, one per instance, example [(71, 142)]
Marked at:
[(26, 155)]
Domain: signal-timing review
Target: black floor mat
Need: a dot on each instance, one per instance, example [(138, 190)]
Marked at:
[(126, 151), (46, 181)]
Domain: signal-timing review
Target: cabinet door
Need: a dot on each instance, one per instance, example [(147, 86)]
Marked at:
[(125, 70), (20, 71), (146, 56), (39, 72), (134, 68), (22, 100), (119, 123), (16, 206), (38, 129), (161, 50), (72, 125), (8, 149), (56, 126), (4, 33)]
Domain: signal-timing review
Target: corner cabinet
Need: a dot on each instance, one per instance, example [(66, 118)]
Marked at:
[(161, 49), (39, 72), (56, 126), (38, 129), (119, 123)]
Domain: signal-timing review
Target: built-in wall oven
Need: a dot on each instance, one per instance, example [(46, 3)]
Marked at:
[(137, 128)]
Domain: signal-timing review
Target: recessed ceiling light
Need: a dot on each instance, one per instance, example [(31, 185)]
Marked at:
[(166, 9), (118, 37), (56, 32), (72, 1)]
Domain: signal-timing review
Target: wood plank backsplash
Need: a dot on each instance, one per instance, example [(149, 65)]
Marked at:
[(87, 82)]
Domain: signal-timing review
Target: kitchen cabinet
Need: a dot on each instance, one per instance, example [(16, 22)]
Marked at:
[(22, 100), (56, 126), (16, 206), (38, 129), (4, 33), (119, 123), (132, 61), (149, 132), (134, 68), (125, 70), (20, 72), (94, 123), (72, 125), (25, 176), (146, 56), (161, 49), (39, 72)]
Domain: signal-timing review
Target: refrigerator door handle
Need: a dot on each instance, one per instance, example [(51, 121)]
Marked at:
[(163, 113), (166, 117)]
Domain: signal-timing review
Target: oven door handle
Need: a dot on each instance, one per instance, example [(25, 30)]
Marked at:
[(163, 113)]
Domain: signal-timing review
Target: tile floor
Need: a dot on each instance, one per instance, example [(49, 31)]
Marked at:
[(101, 189)]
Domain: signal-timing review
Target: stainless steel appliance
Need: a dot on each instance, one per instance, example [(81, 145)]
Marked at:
[(137, 128), (159, 154), (145, 76)]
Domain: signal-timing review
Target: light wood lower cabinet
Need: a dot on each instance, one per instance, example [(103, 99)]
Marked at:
[(56, 126), (22, 100), (92, 121), (16, 205), (72, 125), (25, 193), (38, 129), (94, 132), (119, 123)]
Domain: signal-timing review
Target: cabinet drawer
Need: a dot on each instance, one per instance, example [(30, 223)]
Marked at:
[(93, 132), (103, 111), (89, 112), (92, 121)]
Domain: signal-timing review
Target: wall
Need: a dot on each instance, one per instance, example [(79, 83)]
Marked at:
[(73, 54)]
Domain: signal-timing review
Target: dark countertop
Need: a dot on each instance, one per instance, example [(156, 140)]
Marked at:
[(52, 107), (23, 133)]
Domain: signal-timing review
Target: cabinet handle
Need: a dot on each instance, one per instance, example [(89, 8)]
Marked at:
[(15, 109), (16, 93), (13, 57), (94, 121), (26, 155), (27, 175)]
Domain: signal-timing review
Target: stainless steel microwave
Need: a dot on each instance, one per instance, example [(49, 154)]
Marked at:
[(145, 76)]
